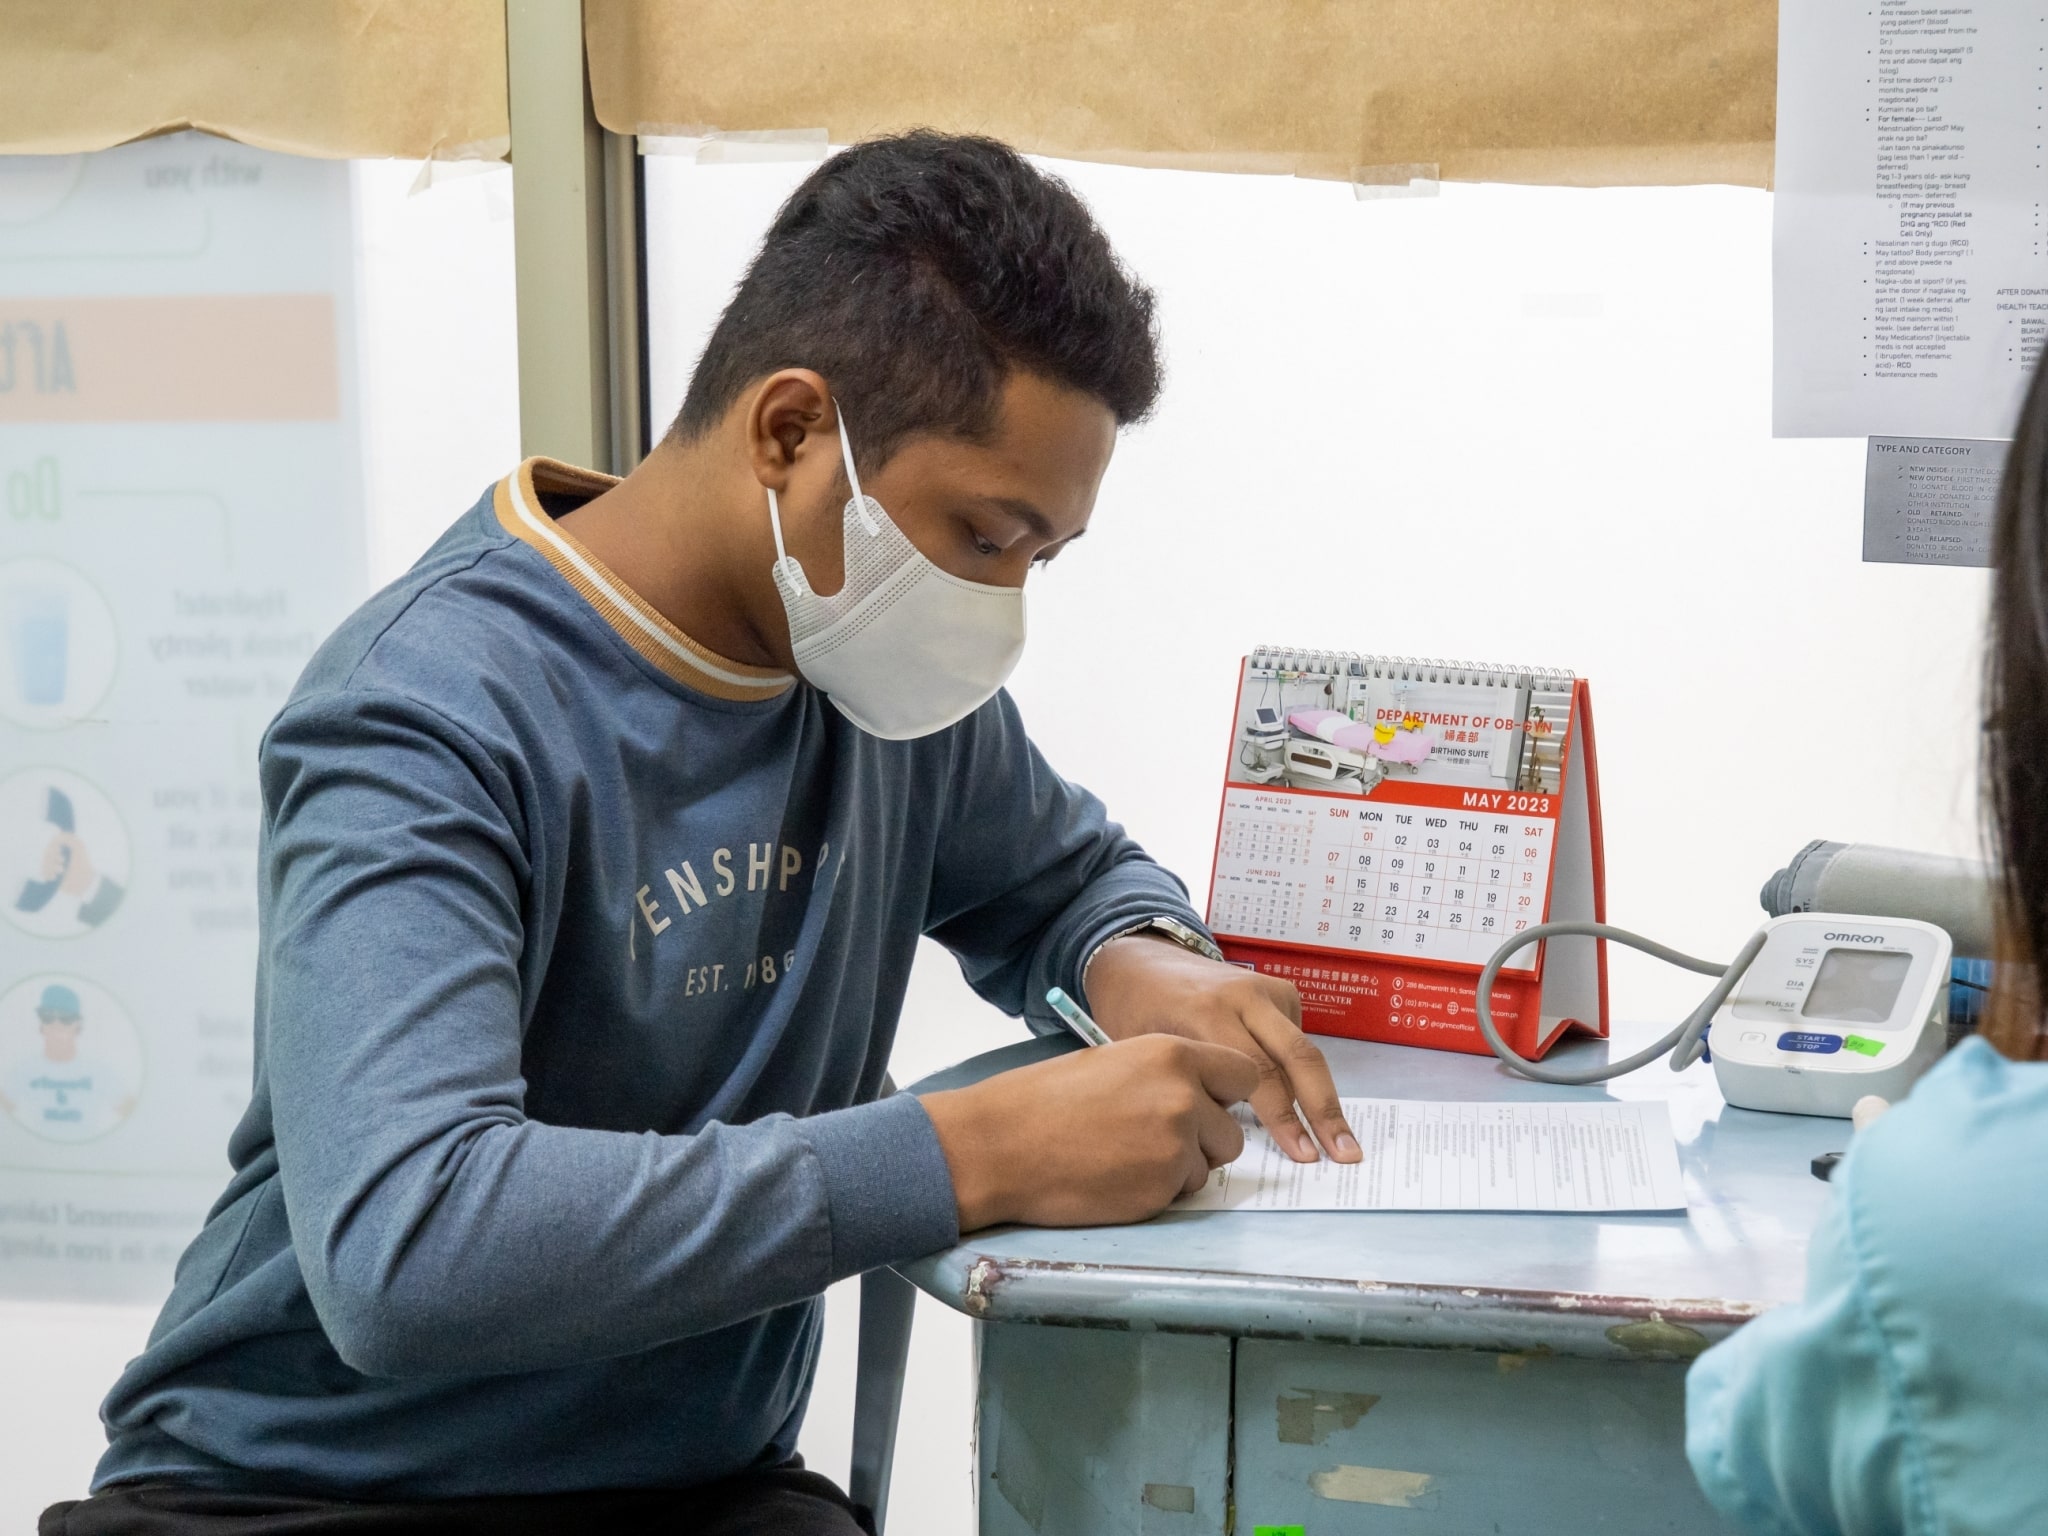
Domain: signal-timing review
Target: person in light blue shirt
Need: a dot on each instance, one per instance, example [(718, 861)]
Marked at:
[(1905, 1392)]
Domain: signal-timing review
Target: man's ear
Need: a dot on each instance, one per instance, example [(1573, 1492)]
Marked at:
[(789, 416)]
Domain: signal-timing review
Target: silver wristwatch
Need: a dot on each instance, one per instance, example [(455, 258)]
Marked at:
[(1167, 928)]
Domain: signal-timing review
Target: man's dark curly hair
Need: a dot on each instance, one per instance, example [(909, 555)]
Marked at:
[(915, 273)]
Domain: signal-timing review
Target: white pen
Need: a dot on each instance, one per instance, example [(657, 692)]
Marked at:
[(1075, 1017)]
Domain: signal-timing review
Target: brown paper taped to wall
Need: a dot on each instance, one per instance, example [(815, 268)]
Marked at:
[(333, 78), (1574, 92)]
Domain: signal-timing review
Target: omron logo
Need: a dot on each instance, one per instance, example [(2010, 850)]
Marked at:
[(1855, 938)]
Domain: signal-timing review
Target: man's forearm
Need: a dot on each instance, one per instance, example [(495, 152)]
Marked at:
[(522, 1246)]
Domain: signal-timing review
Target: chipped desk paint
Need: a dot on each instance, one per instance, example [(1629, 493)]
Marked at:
[(1453, 1445), (1601, 1308)]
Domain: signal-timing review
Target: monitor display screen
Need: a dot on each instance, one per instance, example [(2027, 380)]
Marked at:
[(1857, 986)]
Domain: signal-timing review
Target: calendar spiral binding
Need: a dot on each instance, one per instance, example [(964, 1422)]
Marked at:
[(1411, 669)]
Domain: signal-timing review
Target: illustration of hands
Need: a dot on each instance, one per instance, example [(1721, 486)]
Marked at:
[(66, 868), (78, 872)]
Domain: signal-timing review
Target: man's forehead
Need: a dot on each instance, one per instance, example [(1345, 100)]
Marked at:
[(1044, 473)]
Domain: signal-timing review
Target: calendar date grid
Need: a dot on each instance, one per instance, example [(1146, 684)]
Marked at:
[(1379, 877)]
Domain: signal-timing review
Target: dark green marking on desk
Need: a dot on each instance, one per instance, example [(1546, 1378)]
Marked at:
[(1279, 1530)]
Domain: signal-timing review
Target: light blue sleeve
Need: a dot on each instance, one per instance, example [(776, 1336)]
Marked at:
[(1793, 1426), (1887, 1399)]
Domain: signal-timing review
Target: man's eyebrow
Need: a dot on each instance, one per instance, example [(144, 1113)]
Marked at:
[(1025, 513)]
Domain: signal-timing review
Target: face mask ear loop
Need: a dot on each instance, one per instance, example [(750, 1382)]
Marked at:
[(860, 502), (775, 522)]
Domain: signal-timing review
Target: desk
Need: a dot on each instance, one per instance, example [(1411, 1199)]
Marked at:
[(1379, 1371)]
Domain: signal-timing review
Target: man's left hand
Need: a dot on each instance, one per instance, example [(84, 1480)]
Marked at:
[(1143, 984)]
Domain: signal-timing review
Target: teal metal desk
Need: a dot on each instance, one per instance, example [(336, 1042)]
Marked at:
[(1378, 1372)]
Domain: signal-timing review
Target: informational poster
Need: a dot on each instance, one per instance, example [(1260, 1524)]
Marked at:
[(180, 526), (1910, 249), (1930, 501)]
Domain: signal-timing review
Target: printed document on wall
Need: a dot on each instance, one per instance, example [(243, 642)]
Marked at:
[(1910, 268)]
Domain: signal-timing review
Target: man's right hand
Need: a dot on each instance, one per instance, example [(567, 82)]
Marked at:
[(1095, 1137)]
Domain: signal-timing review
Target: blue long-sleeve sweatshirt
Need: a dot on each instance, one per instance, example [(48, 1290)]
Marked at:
[(582, 953)]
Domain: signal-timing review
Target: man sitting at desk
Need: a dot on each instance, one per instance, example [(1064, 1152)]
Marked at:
[(597, 850)]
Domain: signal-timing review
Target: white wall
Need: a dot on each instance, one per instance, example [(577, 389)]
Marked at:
[(439, 349), (61, 1358)]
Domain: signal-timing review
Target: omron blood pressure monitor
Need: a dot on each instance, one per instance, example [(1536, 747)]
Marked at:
[(1818, 1010), (1833, 1008)]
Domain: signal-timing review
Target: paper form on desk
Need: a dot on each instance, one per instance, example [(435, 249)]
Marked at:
[(1602, 1155)]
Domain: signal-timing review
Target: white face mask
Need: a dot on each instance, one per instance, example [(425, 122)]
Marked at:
[(903, 649)]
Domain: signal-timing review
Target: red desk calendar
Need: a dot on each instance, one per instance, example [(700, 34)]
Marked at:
[(1387, 822)]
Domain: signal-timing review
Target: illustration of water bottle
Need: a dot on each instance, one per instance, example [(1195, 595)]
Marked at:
[(39, 634)]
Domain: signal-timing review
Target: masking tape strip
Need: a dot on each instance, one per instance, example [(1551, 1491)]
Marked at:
[(451, 162), (714, 146), (1418, 179), (1375, 1485), (492, 149)]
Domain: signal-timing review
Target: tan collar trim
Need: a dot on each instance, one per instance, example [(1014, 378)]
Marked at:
[(517, 502)]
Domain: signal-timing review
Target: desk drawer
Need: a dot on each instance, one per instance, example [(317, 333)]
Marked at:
[(1101, 1432)]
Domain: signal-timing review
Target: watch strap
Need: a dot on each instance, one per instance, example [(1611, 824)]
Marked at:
[(1171, 928)]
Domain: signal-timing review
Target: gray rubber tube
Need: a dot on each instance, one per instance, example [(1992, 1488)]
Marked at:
[(1683, 1044)]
